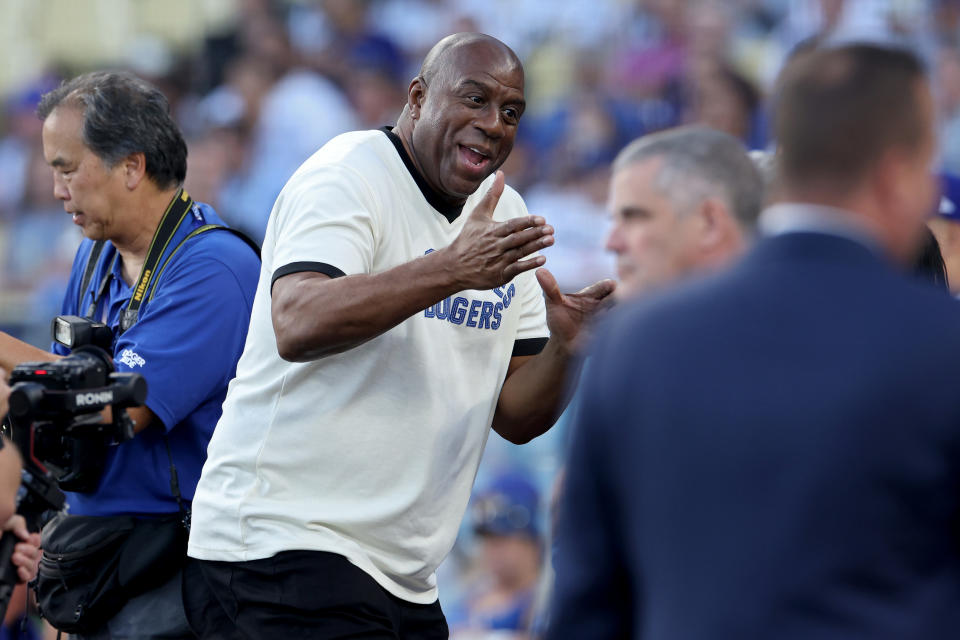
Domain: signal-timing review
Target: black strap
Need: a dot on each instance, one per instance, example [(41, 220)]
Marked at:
[(176, 211), (172, 217), (175, 486), (240, 234), (101, 290), (91, 267)]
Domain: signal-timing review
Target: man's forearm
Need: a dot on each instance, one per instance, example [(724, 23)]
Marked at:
[(314, 316), (13, 352), (535, 394)]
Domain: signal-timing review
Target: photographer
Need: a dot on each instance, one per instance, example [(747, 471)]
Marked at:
[(176, 290)]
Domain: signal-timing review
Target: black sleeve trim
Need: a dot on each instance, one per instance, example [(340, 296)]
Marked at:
[(528, 347), (297, 267)]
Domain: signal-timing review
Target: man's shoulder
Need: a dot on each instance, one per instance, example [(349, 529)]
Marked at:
[(207, 250), (360, 151), (222, 243), (777, 292), (354, 162)]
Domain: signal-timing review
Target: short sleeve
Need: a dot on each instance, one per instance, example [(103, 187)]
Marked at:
[(189, 336), (532, 332), (325, 221), (533, 311)]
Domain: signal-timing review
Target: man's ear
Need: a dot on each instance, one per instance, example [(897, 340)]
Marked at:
[(416, 93), (134, 169), (714, 223)]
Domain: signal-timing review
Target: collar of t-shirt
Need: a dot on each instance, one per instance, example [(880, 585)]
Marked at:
[(433, 196), (797, 217)]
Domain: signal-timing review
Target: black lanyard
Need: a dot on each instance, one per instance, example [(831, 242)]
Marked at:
[(176, 211)]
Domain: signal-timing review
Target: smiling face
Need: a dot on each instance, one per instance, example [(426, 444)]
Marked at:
[(466, 116), (88, 188)]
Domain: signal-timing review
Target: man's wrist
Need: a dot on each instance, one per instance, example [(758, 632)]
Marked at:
[(560, 349), (443, 268)]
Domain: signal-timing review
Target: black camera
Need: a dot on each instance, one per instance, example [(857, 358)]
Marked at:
[(55, 406)]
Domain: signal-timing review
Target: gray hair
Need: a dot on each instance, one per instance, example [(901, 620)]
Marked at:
[(700, 163), (123, 114)]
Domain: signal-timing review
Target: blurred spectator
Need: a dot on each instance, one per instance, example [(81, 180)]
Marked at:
[(211, 159), (22, 132), (946, 228), (505, 518), (946, 21), (342, 36), (376, 95), (948, 104), (298, 115), (725, 100), (576, 209), (929, 265), (38, 246), (287, 120), (415, 25)]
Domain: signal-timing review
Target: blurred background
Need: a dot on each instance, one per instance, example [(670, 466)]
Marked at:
[(259, 85)]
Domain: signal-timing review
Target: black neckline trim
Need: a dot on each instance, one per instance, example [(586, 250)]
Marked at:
[(433, 197)]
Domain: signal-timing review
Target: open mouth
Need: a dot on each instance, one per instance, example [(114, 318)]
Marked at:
[(474, 158)]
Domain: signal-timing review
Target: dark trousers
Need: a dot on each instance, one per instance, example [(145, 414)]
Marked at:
[(155, 615), (308, 595)]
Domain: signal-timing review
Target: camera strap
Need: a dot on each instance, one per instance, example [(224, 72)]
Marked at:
[(172, 217), (149, 274), (176, 211), (92, 260)]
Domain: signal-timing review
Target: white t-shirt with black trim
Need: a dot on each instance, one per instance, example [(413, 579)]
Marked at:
[(370, 453)]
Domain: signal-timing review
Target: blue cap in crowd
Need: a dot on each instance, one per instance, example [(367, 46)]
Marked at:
[(507, 506), (949, 205)]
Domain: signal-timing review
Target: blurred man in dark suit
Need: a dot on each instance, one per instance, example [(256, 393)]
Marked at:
[(774, 452)]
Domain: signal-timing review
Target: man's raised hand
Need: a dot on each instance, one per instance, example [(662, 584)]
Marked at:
[(488, 253), (568, 313)]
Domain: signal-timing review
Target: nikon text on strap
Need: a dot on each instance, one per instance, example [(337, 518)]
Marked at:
[(146, 283), (172, 217)]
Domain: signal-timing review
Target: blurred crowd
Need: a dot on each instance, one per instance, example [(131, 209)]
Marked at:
[(261, 93)]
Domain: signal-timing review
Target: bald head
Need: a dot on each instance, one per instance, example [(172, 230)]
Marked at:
[(462, 113), (447, 56)]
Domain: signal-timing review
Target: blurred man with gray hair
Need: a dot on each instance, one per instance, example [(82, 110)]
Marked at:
[(683, 201)]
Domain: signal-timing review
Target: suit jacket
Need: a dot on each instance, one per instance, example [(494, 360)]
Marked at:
[(773, 452)]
